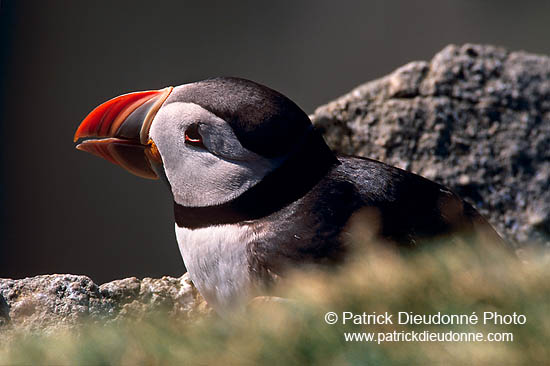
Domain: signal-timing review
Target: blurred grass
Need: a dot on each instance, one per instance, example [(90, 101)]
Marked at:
[(451, 279)]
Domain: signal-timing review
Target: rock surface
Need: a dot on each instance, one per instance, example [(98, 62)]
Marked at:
[(476, 118), (63, 300)]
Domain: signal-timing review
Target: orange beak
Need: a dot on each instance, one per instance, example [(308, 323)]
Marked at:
[(123, 125)]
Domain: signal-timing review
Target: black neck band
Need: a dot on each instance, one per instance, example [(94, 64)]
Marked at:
[(285, 185)]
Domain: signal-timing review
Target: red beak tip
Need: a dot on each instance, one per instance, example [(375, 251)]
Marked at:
[(105, 120)]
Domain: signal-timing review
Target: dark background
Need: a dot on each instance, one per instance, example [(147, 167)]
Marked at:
[(67, 211)]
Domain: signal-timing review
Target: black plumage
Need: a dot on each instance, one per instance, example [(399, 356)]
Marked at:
[(265, 121), (303, 208), (399, 208)]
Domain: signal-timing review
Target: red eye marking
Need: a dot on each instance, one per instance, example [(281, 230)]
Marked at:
[(193, 136), (187, 138)]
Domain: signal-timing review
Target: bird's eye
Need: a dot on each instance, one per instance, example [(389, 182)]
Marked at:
[(193, 137)]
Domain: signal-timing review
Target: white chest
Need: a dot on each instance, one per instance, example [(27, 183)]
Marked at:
[(216, 260)]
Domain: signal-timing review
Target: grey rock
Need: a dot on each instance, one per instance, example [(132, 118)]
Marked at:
[(4, 311), (56, 301), (475, 118)]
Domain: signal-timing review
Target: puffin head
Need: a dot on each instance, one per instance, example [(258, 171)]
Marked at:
[(211, 140)]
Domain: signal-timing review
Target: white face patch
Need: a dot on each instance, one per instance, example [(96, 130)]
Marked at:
[(216, 260), (205, 177)]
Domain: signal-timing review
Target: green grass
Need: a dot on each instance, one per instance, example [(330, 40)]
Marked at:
[(451, 279)]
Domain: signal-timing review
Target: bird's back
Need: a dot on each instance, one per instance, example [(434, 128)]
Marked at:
[(369, 198)]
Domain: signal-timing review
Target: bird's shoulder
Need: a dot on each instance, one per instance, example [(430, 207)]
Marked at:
[(311, 229), (379, 182)]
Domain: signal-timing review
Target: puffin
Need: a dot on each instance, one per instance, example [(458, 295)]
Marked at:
[(257, 192)]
